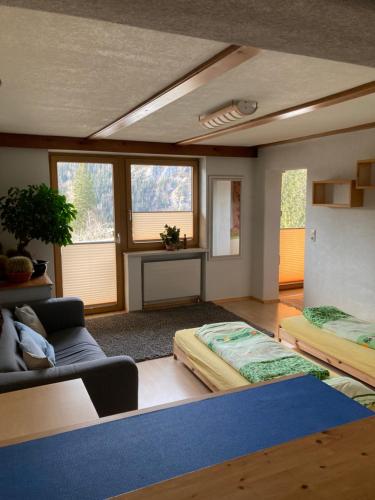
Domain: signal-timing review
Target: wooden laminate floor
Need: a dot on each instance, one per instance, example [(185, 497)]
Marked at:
[(165, 380), (294, 298), (267, 316)]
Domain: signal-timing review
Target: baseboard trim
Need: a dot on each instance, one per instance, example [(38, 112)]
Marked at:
[(247, 297), (265, 301), (171, 303), (231, 299), (291, 286)]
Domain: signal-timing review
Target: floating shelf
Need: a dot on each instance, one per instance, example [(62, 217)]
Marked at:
[(337, 193), (366, 174)]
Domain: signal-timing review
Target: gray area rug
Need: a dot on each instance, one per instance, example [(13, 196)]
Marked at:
[(149, 334)]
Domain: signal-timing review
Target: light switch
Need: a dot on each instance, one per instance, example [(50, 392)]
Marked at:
[(313, 234)]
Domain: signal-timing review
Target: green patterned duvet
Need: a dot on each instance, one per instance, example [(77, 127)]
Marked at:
[(253, 354), (342, 324)]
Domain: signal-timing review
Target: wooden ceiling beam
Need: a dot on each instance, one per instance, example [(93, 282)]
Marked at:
[(214, 67), (300, 109), (346, 130), (116, 146)]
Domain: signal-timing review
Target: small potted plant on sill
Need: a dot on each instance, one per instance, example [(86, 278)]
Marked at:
[(171, 237), (36, 212)]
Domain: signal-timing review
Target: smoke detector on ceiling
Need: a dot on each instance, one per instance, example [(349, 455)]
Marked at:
[(234, 111)]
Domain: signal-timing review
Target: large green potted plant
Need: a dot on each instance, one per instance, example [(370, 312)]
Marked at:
[(37, 212)]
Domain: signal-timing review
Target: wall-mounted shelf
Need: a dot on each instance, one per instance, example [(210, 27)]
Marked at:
[(366, 174), (337, 193)]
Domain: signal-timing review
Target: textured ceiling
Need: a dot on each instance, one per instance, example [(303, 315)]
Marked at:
[(341, 30), (62, 75), (65, 75)]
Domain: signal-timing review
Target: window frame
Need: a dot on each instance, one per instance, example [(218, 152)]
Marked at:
[(158, 245), (119, 215), (211, 179)]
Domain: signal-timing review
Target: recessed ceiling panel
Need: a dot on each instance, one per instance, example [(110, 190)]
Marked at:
[(275, 80), (347, 114), (64, 75)]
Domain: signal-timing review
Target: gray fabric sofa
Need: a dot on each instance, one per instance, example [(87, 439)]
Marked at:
[(112, 383)]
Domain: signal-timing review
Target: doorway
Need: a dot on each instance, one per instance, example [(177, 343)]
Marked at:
[(90, 268), (292, 235)]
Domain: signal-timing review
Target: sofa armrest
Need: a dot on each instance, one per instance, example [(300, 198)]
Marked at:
[(59, 314), (112, 383)]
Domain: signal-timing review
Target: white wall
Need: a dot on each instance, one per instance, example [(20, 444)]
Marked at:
[(18, 168), (228, 277), (340, 265)]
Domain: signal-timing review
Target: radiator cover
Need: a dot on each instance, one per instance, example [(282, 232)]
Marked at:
[(171, 279)]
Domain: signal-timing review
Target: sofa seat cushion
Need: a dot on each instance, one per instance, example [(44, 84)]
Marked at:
[(74, 345)]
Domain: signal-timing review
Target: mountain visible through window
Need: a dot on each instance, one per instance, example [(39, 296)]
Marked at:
[(161, 194), (161, 188), (89, 186)]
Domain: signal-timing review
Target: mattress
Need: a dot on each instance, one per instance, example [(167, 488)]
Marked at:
[(217, 371), (348, 352)]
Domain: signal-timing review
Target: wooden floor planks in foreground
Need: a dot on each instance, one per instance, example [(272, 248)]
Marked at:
[(338, 463)]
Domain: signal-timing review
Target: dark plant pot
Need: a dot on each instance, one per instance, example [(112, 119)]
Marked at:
[(18, 277), (171, 248), (40, 267)]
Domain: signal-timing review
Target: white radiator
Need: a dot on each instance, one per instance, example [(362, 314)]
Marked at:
[(171, 279)]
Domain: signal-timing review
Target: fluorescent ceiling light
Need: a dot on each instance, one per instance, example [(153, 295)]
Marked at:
[(234, 111)]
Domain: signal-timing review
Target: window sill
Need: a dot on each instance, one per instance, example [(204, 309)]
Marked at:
[(145, 253)]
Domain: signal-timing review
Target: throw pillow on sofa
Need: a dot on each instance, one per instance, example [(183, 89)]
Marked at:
[(28, 317), (36, 351)]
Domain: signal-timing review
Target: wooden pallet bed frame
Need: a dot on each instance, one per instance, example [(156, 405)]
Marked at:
[(303, 346), (180, 355)]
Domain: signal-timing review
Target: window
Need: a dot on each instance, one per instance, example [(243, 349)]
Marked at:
[(225, 216), (123, 204), (91, 268), (159, 193), (89, 186), (292, 227)]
